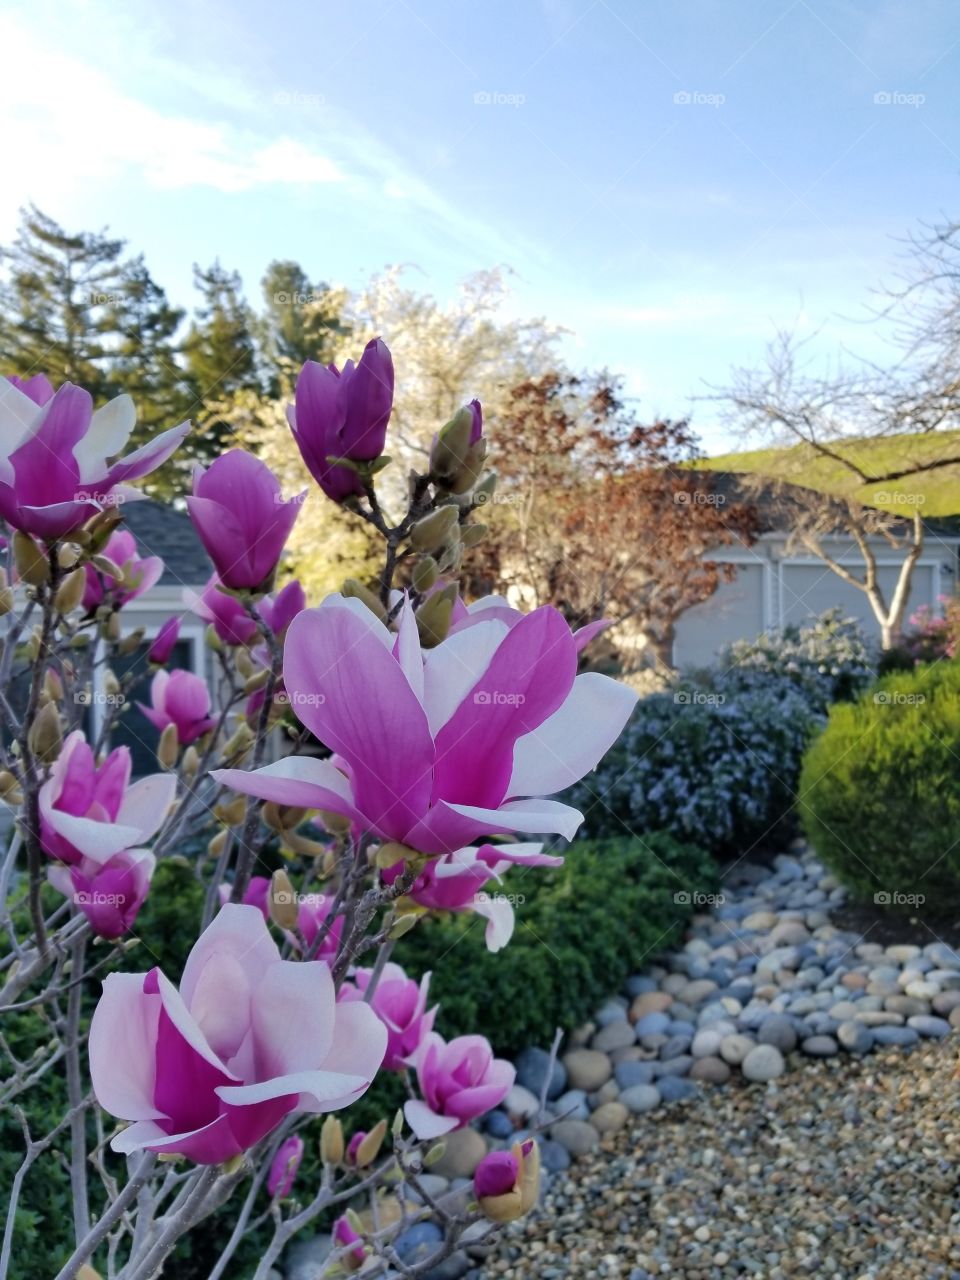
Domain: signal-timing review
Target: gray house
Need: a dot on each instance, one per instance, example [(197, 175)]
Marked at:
[(778, 584)]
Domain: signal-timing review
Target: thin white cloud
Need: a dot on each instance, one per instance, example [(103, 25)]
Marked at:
[(72, 125)]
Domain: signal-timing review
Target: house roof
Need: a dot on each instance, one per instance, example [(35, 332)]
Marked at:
[(778, 503), (162, 530)]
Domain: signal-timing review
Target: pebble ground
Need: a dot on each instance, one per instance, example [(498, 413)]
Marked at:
[(845, 1168)]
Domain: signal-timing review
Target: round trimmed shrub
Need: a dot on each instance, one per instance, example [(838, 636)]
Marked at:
[(880, 789)]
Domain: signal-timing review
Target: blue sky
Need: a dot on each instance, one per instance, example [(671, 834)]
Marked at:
[(669, 181)]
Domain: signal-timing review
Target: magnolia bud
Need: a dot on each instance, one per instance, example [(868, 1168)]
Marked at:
[(369, 1148), (404, 924), (397, 1127), (355, 590), (331, 1141), (52, 685), (68, 553), (70, 591), (111, 685), (473, 535), (452, 445), (435, 1153), (282, 817), (425, 573), (6, 599), (302, 846), (433, 619), (212, 640), (105, 565), (283, 901), (8, 783), (257, 682), (485, 489), (392, 851), (110, 628), (46, 736), (131, 643), (335, 823), (469, 474), (216, 846), (239, 743), (87, 1272), (190, 762), (433, 530), (245, 664), (32, 565), (230, 812), (168, 747), (80, 641)]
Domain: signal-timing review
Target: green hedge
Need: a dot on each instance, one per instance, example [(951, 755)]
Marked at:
[(880, 789), (581, 929)]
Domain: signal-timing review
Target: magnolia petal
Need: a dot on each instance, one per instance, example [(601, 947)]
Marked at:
[(122, 1048), (573, 741), (426, 1124)]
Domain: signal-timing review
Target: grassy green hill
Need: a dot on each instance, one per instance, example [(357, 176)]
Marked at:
[(937, 492)]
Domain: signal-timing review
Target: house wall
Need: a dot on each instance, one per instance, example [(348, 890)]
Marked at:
[(773, 590)]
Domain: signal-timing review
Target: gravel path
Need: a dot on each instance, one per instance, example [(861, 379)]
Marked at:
[(842, 1168)]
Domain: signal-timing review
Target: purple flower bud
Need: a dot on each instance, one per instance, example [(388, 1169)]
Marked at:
[(284, 1168), (164, 642), (495, 1175)]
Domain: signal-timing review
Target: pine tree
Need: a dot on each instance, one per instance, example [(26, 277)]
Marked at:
[(301, 321)]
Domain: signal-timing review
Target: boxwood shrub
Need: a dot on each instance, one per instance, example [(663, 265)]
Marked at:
[(880, 789), (581, 929)]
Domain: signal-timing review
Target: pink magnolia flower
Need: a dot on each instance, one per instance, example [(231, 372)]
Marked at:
[(459, 1080), (39, 388), (257, 894), (343, 414), (498, 607), (140, 573), (344, 1235), (164, 642), (456, 882), (108, 892), (54, 468), (284, 1168), (280, 610), (440, 748), (179, 698), (90, 812), (241, 517), (401, 1005), (354, 1145), (208, 1071), (231, 621)]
